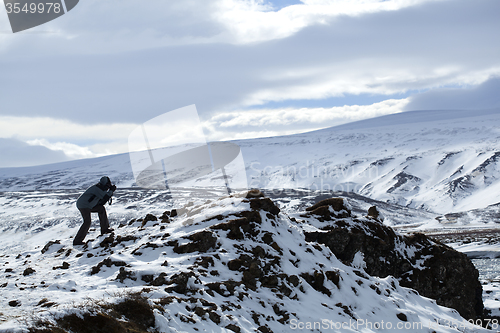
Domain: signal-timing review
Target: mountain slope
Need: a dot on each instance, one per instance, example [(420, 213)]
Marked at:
[(440, 161), (227, 265)]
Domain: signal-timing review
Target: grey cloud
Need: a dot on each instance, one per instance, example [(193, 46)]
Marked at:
[(448, 33), (16, 153), (118, 18), (484, 96), (137, 85)]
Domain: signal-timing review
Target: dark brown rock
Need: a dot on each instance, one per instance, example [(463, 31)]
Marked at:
[(148, 278), (433, 269), (244, 225), (254, 193), (202, 241), (235, 264), (125, 274), (233, 328), (108, 262), (316, 280), (264, 204), (374, 213), (323, 212), (148, 218), (228, 289), (267, 238), (165, 217), (64, 265), (337, 204), (108, 241), (180, 282), (49, 244), (205, 261), (160, 280), (214, 317), (121, 239), (15, 303)]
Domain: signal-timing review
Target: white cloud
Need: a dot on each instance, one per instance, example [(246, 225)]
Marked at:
[(71, 150), (283, 121), (16, 153), (250, 21), (35, 127), (74, 140)]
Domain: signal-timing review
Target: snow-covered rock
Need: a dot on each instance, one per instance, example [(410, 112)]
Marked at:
[(433, 269), (224, 265)]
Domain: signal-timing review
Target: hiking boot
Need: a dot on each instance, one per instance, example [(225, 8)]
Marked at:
[(107, 231)]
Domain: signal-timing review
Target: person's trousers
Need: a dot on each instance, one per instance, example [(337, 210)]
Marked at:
[(87, 221)]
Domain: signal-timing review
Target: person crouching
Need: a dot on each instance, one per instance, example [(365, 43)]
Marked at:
[(92, 201)]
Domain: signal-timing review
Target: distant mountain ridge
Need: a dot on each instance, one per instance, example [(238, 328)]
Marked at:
[(440, 161)]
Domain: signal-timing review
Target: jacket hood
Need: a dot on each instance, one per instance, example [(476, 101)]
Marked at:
[(105, 180)]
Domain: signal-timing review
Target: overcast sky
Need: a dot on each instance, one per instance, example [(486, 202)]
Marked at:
[(77, 86)]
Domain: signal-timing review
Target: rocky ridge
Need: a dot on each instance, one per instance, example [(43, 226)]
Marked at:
[(418, 262)]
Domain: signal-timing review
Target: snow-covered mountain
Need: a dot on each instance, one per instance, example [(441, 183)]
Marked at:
[(229, 265), (440, 161), (413, 166)]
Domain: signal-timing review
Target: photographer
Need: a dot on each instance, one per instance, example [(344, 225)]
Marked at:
[(92, 201)]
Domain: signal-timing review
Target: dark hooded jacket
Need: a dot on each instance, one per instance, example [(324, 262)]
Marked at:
[(94, 194)]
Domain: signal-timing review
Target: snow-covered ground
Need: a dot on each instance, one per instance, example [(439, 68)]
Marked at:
[(64, 276)]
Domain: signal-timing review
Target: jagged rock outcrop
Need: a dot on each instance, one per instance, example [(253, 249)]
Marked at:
[(374, 213), (433, 269)]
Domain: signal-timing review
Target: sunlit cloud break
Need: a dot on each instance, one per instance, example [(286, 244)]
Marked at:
[(250, 21), (273, 122), (71, 150)]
